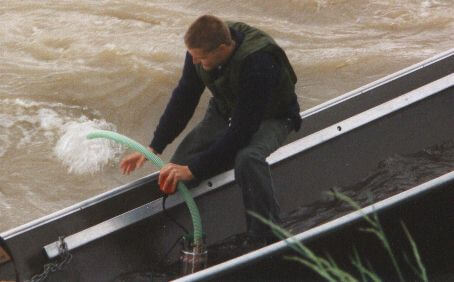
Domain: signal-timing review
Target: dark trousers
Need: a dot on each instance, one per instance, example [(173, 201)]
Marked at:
[(252, 172)]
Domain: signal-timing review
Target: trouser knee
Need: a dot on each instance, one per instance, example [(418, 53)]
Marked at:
[(253, 177), (247, 160)]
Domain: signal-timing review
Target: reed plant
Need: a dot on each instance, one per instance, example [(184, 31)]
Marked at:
[(327, 267)]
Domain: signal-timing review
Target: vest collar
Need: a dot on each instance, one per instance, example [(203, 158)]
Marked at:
[(238, 37)]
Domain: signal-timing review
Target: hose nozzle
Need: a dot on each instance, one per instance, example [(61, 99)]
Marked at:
[(194, 256)]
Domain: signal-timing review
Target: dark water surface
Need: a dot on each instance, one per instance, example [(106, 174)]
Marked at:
[(392, 176)]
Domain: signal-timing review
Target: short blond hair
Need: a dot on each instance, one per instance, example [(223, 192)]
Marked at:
[(207, 33)]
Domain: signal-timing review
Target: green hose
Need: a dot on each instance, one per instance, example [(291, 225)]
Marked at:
[(184, 192)]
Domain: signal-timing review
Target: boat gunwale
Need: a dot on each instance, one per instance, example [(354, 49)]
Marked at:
[(132, 216)]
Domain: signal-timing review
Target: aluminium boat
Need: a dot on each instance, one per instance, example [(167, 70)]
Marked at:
[(125, 229)]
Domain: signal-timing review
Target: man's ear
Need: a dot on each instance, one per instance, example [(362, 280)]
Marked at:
[(223, 47)]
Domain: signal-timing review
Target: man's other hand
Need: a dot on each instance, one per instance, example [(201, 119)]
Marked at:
[(169, 176), (133, 161)]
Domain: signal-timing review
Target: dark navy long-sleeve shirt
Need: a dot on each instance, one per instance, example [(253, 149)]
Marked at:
[(258, 77)]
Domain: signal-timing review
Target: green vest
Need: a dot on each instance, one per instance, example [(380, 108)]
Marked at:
[(225, 88)]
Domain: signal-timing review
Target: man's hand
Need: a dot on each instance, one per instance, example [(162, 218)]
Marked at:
[(169, 176), (133, 161)]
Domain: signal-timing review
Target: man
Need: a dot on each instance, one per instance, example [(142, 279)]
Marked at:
[(253, 109)]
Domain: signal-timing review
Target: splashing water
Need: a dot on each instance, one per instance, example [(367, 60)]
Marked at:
[(28, 126), (81, 155)]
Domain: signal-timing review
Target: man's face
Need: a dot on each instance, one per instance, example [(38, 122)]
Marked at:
[(208, 60)]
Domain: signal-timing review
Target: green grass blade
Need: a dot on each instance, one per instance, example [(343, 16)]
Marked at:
[(422, 270), (314, 267), (376, 229)]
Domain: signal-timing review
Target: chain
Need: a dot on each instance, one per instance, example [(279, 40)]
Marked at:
[(65, 258)]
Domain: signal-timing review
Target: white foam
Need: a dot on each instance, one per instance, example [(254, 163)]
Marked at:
[(4, 144), (49, 119), (26, 124), (6, 121), (81, 155)]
